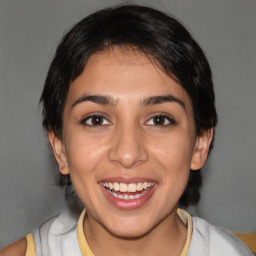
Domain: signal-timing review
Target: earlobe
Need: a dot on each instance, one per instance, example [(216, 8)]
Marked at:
[(201, 150), (59, 152)]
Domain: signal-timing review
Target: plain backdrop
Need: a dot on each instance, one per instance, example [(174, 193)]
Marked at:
[(29, 33)]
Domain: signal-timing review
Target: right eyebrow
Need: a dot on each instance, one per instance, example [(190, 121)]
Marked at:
[(160, 99), (98, 99)]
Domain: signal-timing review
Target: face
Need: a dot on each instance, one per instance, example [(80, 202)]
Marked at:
[(128, 142)]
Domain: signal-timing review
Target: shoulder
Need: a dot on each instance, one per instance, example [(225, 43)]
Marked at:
[(52, 236), (213, 240), (17, 248), (60, 224), (45, 238)]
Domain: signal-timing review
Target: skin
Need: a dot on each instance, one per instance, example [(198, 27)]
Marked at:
[(136, 138), (17, 248), (129, 145)]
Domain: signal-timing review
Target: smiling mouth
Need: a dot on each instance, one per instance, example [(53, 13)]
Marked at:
[(129, 191)]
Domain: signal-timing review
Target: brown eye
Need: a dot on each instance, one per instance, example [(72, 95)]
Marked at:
[(160, 120), (95, 120)]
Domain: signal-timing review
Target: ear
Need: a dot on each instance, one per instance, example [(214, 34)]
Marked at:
[(201, 149), (59, 152)]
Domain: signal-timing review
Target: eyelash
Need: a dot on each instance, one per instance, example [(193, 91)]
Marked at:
[(98, 116), (164, 118), (104, 122)]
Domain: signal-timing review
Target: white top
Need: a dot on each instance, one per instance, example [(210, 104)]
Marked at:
[(63, 236)]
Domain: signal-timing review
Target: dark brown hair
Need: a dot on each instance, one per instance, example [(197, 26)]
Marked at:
[(158, 35)]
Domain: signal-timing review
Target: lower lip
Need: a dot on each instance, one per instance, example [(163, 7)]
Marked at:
[(130, 204)]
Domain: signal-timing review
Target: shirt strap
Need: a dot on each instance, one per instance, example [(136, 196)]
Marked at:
[(84, 247), (187, 221), (31, 249), (183, 215)]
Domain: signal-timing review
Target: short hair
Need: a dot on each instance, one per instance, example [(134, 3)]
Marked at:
[(162, 38)]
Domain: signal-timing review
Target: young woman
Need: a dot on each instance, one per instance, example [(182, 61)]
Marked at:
[(128, 105)]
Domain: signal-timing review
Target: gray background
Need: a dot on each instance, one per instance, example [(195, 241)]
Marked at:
[(29, 33)]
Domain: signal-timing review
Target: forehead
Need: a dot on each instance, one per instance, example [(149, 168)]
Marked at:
[(124, 70), (128, 79)]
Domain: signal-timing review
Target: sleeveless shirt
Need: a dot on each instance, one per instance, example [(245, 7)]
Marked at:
[(63, 235)]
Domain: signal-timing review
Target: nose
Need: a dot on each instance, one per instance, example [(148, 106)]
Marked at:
[(128, 148)]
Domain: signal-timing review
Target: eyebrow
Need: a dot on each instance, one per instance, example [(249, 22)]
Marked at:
[(110, 101), (153, 100), (99, 99)]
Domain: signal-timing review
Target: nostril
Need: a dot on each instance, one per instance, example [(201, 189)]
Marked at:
[(128, 148), (127, 160)]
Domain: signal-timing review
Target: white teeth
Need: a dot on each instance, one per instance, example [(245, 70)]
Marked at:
[(114, 194), (116, 186), (137, 196), (132, 187), (110, 185), (145, 185), (123, 187), (139, 186), (128, 197), (112, 188)]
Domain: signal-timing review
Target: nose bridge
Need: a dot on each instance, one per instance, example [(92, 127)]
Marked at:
[(128, 148)]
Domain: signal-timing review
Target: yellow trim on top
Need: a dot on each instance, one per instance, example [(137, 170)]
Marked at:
[(187, 221), (86, 251), (249, 239), (31, 249), (84, 247)]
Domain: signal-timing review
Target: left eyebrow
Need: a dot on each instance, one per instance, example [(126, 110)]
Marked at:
[(98, 99), (162, 99)]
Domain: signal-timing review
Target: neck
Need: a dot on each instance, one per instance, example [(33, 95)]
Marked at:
[(167, 237)]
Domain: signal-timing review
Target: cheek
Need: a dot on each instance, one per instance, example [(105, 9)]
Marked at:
[(84, 157), (174, 155), (84, 153), (174, 152)]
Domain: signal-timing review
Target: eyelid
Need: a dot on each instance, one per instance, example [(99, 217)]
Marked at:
[(91, 115), (170, 119)]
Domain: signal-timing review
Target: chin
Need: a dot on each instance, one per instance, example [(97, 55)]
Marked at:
[(129, 233), (129, 229)]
